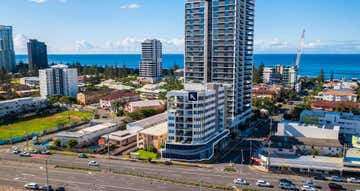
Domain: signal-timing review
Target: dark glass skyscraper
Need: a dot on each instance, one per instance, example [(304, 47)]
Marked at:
[(37, 54), (219, 49), (7, 53)]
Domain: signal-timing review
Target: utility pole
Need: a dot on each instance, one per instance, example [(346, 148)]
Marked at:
[(250, 148), (108, 146), (242, 156), (268, 161), (47, 175)]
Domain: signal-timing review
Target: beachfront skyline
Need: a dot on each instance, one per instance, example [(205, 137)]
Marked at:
[(119, 26)]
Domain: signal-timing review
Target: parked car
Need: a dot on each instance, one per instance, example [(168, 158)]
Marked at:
[(308, 188), (263, 183), (45, 152), (25, 154), (15, 152), (82, 155), (240, 181), (336, 179), (34, 151), (319, 177), (310, 183), (60, 188), (93, 163), (46, 188), (283, 180), (287, 186), (336, 186), (31, 186), (353, 180)]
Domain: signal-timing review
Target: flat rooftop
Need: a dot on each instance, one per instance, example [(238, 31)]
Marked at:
[(147, 103), (95, 128), (319, 162), (150, 121), (157, 130), (120, 135)]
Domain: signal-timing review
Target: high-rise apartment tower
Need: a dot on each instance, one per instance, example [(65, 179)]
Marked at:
[(219, 49)]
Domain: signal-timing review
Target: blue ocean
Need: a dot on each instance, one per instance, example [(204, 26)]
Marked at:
[(343, 65)]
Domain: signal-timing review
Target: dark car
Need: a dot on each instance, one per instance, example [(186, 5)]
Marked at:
[(336, 186), (46, 188), (283, 180), (60, 188), (319, 177), (82, 155)]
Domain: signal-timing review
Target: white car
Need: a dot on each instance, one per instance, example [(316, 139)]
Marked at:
[(31, 186), (263, 183), (353, 180), (240, 181), (308, 188), (93, 163), (336, 179), (309, 183)]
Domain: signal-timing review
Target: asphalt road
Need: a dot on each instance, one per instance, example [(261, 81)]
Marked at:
[(16, 171)]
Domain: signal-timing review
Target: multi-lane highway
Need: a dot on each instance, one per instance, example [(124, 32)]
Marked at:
[(16, 171)]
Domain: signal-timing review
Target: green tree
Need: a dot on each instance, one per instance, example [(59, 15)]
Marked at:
[(314, 152), (332, 76), (321, 77), (71, 143), (4, 76), (57, 142), (258, 74)]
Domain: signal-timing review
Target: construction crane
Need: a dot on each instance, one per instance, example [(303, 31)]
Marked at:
[(299, 52)]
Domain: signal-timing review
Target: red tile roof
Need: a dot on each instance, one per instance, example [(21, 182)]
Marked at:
[(118, 95)]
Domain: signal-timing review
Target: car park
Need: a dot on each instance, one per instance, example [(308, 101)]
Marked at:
[(93, 163), (263, 183), (240, 181), (31, 186)]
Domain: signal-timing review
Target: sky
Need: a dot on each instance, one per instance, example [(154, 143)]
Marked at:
[(119, 26)]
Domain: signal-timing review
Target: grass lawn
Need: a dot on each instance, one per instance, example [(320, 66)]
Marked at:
[(37, 125), (144, 155)]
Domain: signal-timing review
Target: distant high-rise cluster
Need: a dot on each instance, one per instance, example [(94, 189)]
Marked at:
[(59, 80), (7, 53), (151, 60), (37, 55)]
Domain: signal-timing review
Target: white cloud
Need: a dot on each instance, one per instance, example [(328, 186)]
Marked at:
[(20, 43), (127, 45), (38, 1), (131, 6), (317, 46), (83, 45), (44, 1)]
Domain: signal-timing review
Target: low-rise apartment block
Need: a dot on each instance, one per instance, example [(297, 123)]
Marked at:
[(87, 136), (152, 137), (106, 102), (21, 105), (348, 122), (338, 95), (30, 81), (91, 97), (136, 106)]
